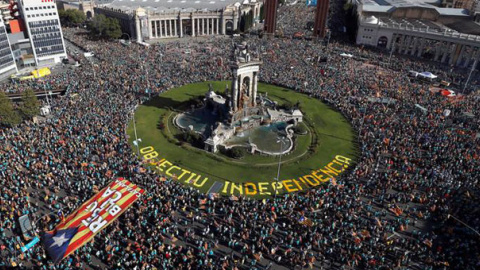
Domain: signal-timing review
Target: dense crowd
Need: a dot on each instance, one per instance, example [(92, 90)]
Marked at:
[(415, 169)]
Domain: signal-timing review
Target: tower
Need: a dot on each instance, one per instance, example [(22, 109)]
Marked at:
[(321, 18), (245, 80), (270, 16)]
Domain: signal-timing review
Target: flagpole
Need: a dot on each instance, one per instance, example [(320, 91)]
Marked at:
[(391, 53), (470, 75)]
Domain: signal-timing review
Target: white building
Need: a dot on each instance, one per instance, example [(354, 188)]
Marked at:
[(7, 61), (420, 28), (44, 30), (156, 19)]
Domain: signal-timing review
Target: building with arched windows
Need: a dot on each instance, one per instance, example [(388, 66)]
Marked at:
[(433, 30), (146, 20)]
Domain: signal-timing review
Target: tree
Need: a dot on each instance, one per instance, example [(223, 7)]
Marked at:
[(104, 27), (113, 28), (8, 117), (30, 105), (300, 129), (193, 139), (246, 21), (242, 23), (71, 17), (249, 21), (98, 25), (237, 152)]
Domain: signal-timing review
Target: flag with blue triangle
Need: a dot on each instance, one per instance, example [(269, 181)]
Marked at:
[(56, 243)]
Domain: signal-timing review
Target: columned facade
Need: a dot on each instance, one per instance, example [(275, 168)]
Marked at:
[(186, 25), (454, 49), (148, 24), (453, 52)]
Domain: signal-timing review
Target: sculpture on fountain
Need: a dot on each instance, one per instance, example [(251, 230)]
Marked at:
[(241, 109)]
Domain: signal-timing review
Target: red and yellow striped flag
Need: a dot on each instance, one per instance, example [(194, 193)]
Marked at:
[(94, 215)]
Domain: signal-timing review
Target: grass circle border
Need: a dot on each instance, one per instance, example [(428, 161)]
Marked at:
[(331, 151)]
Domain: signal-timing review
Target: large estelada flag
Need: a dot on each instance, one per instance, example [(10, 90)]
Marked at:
[(94, 215)]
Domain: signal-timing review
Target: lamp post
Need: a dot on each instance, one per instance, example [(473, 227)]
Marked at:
[(148, 80), (279, 140), (129, 38), (391, 52), (466, 225), (470, 75), (137, 140), (46, 95)]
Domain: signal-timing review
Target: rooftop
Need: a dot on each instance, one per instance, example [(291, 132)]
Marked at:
[(400, 3), (387, 6), (460, 29), (169, 6)]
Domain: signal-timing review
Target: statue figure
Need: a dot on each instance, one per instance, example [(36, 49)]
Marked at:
[(243, 96)]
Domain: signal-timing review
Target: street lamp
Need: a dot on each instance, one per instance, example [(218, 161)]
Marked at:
[(146, 71), (46, 95), (466, 225), (279, 140), (474, 66), (137, 140), (129, 38), (391, 52)]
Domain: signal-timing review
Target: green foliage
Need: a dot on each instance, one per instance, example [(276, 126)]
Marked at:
[(193, 138), (30, 105), (8, 117), (242, 23), (97, 25), (237, 152), (329, 134), (104, 27), (287, 106), (300, 129), (351, 18), (161, 125), (246, 21), (71, 17), (347, 6), (113, 28)]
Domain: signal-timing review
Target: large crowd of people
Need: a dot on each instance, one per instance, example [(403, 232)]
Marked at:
[(416, 176)]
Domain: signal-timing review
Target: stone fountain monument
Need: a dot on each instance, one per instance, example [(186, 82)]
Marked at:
[(242, 109)]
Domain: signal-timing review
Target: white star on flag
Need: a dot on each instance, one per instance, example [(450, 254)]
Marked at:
[(59, 240)]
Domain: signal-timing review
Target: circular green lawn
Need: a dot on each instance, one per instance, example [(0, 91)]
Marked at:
[(321, 155)]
